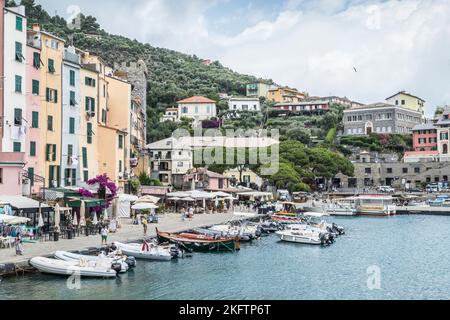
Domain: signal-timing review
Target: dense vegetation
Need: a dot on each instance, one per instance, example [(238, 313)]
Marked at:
[(173, 75), (398, 143)]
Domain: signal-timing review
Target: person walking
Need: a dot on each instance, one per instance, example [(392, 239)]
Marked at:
[(18, 245), (104, 234), (144, 224), (191, 213)]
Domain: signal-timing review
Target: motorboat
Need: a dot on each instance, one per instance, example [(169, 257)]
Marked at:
[(269, 226), (245, 232), (299, 235), (147, 251), (315, 219), (126, 262), (99, 269)]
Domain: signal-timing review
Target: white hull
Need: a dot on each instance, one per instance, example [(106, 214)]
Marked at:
[(135, 250), (68, 268), (332, 211), (291, 237), (69, 256)]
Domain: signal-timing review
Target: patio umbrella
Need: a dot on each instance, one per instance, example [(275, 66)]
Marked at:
[(147, 199), (82, 214), (75, 220), (144, 206), (115, 208), (105, 215), (94, 220), (57, 215), (174, 199), (41, 220), (188, 199), (6, 219)]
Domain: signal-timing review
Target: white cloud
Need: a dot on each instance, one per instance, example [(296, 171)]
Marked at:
[(311, 45)]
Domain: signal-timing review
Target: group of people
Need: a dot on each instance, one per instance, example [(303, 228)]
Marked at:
[(187, 214)]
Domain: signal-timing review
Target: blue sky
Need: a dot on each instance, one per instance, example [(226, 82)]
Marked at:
[(312, 45)]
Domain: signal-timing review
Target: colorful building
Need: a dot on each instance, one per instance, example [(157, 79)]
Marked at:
[(309, 106), (52, 51), (431, 141), (258, 89), (71, 113), (34, 160), (408, 101), (12, 98), (88, 136), (197, 108), (285, 95)]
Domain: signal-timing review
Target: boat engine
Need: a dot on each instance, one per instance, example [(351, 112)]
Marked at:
[(116, 266), (338, 229), (131, 262)]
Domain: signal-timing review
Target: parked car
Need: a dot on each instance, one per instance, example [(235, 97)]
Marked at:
[(415, 190), (386, 189)]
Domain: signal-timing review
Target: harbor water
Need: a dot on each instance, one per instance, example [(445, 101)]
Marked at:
[(399, 257)]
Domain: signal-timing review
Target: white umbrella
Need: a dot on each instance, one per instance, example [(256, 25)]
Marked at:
[(41, 220), (180, 194), (221, 194), (105, 215), (82, 214), (75, 219), (174, 199), (115, 208), (144, 206), (147, 198), (57, 215), (188, 199), (94, 220), (6, 219)]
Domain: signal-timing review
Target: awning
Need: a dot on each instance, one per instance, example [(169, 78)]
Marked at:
[(89, 202), (25, 204), (144, 206)]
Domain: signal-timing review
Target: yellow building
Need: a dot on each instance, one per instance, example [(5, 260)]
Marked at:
[(52, 51), (88, 131), (408, 101), (285, 94), (118, 129), (246, 176)]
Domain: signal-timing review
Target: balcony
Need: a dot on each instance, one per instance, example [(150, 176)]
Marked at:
[(71, 57)]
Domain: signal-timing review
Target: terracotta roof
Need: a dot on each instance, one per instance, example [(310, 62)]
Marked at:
[(196, 99)]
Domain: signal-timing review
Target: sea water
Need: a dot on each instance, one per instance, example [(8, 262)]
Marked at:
[(399, 257)]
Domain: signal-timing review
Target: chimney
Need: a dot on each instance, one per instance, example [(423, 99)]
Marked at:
[(36, 27)]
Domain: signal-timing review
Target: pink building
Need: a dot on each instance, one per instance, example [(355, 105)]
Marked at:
[(33, 163), (201, 178), (425, 137), (11, 163), (11, 166)]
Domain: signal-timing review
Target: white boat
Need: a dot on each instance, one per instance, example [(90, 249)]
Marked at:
[(101, 269), (341, 207), (69, 256), (375, 205), (154, 252), (299, 235)]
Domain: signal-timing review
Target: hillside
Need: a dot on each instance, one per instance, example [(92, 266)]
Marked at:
[(173, 75)]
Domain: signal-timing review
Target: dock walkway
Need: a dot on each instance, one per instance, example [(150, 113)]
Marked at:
[(127, 233)]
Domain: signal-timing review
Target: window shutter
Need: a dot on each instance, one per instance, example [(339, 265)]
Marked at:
[(87, 103), (74, 177), (35, 119), (56, 96), (47, 152), (35, 87), (71, 125), (93, 105), (32, 148), (85, 159), (47, 94), (54, 152), (89, 132)]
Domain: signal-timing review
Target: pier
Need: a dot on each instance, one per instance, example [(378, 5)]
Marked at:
[(127, 233)]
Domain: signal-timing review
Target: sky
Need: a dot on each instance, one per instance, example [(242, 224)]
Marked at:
[(312, 45)]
